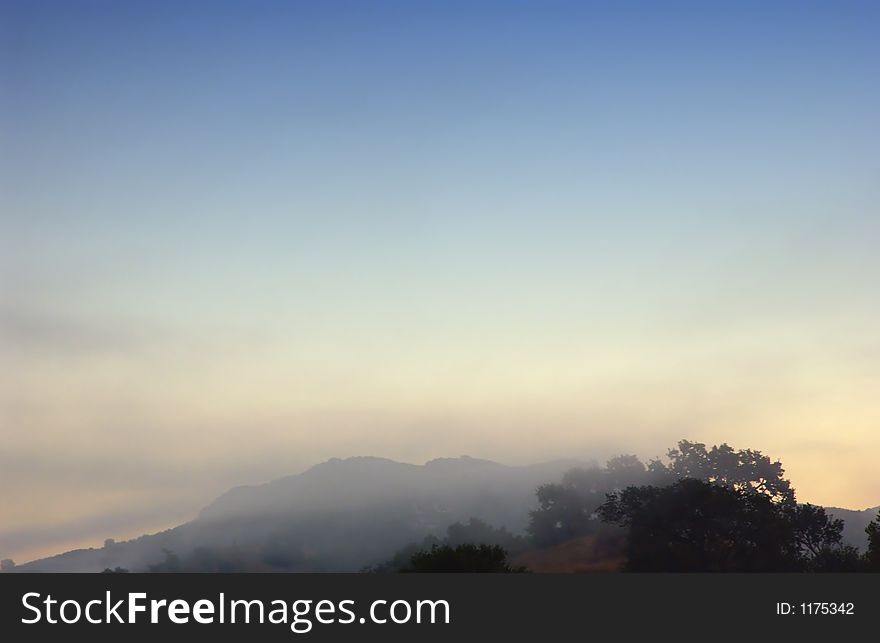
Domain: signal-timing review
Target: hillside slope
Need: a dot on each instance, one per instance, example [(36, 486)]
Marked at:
[(337, 516)]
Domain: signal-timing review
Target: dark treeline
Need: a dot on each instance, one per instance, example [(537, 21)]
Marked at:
[(703, 510), (473, 546), (699, 509)]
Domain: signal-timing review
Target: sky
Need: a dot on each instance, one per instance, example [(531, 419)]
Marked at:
[(238, 239)]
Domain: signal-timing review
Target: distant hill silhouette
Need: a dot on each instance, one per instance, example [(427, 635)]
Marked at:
[(854, 524), (340, 515), (344, 515)]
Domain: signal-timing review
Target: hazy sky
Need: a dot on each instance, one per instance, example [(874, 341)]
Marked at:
[(241, 238)]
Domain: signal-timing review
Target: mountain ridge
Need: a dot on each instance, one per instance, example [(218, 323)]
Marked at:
[(346, 513), (388, 503)]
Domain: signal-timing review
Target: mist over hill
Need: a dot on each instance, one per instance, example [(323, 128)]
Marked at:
[(344, 515), (339, 515)]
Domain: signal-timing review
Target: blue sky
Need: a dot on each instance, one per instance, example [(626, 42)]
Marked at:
[(268, 233)]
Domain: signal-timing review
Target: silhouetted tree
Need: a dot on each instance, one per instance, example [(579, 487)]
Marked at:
[(872, 555), (402, 557), (115, 570), (463, 558), (842, 558), (7, 565), (697, 526), (814, 531), (694, 526), (743, 470), (624, 471), (474, 532), (567, 509)]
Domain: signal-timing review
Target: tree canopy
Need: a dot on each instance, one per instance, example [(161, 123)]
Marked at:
[(744, 469), (872, 556), (568, 509), (698, 526), (700, 509), (462, 558)]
